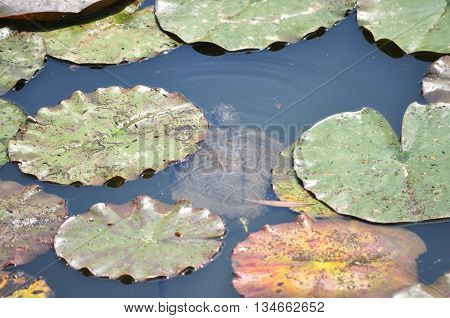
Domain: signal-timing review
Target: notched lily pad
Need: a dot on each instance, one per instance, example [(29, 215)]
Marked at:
[(11, 118), (249, 24), (355, 163), (23, 54), (414, 25), (327, 258), (436, 84), (439, 289), (20, 285), (143, 239), (130, 35), (29, 219), (112, 132)]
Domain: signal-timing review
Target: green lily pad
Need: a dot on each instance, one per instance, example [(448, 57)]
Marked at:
[(23, 54), (439, 289), (29, 219), (414, 25), (21, 285), (247, 24), (112, 132), (436, 84), (143, 239), (327, 258), (355, 163), (129, 35), (11, 118)]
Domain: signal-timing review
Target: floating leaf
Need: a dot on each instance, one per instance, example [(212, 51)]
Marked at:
[(29, 219), (23, 54), (143, 239), (11, 118), (236, 24), (112, 132), (20, 285), (355, 163), (436, 84), (330, 258), (440, 289), (129, 35), (414, 25)]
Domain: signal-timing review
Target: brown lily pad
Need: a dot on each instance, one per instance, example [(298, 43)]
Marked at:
[(21, 285), (436, 84)]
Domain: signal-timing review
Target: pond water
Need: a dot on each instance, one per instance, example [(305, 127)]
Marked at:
[(290, 87)]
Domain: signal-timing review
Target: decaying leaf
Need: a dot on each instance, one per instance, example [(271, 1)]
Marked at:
[(436, 84), (29, 219), (355, 163), (439, 289), (143, 239), (414, 25), (112, 132), (22, 55), (20, 285), (11, 118), (130, 35), (327, 258), (247, 24)]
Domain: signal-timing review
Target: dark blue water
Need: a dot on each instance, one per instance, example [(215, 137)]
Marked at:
[(292, 88)]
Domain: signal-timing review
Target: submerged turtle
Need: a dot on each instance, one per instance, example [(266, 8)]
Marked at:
[(231, 168)]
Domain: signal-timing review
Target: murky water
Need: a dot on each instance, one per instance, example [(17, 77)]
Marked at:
[(292, 88)]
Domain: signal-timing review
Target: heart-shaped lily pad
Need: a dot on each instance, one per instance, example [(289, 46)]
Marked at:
[(23, 54), (143, 239), (355, 163), (29, 219), (20, 285), (129, 35), (436, 84), (328, 258), (248, 24), (11, 118), (414, 25), (112, 132), (439, 289)]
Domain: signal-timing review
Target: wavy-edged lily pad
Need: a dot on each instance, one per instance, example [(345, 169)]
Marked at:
[(249, 24), (23, 54), (20, 285), (130, 35), (439, 289), (328, 258), (143, 239), (11, 118), (355, 163), (414, 25), (112, 132), (436, 84), (29, 219)]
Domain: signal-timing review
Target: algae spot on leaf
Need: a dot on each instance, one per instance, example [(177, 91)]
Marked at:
[(21, 285), (436, 84), (11, 119), (143, 239)]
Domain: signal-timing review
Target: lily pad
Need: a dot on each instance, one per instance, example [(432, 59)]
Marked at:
[(112, 132), (20, 285), (129, 35), (329, 258), (29, 219), (11, 118), (143, 239), (355, 163), (436, 84), (288, 187), (439, 289), (249, 24), (414, 25), (23, 54)]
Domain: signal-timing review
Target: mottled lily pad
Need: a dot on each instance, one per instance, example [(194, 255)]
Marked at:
[(247, 24), (22, 55), (414, 25), (11, 118), (329, 258), (143, 239), (112, 132), (436, 84), (129, 35), (29, 219), (20, 285), (439, 289), (355, 163)]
